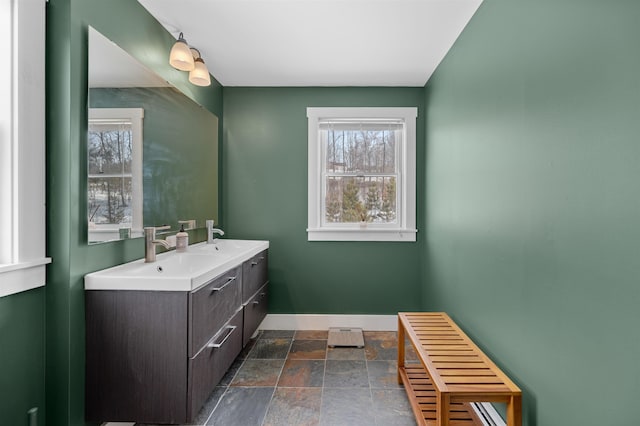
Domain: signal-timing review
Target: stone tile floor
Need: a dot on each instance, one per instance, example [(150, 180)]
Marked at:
[(291, 378)]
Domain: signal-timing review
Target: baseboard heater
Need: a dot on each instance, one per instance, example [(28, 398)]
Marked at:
[(488, 414)]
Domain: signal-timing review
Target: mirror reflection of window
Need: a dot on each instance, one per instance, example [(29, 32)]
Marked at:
[(114, 188)]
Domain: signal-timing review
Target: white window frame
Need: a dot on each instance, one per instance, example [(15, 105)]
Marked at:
[(99, 233), (22, 146), (405, 228)]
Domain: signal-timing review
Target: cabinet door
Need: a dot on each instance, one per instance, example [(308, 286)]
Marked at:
[(254, 272), (254, 312), (136, 356), (209, 365), (212, 305)]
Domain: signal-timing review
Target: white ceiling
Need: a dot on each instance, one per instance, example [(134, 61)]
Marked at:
[(318, 42)]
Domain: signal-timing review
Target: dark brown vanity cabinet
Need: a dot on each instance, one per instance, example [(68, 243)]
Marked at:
[(254, 293), (155, 356), (254, 272), (254, 312)]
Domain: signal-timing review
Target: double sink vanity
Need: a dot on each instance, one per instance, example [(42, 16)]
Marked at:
[(161, 335)]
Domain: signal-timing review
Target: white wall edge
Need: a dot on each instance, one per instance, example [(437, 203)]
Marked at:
[(325, 321)]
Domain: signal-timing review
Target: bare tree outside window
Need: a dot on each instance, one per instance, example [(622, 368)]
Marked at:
[(361, 171)]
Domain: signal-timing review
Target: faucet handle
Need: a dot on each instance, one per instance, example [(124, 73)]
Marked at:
[(150, 231), (189, 224), (157, 228)]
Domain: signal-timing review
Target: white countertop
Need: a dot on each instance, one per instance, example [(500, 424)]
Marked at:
[(177, 271)]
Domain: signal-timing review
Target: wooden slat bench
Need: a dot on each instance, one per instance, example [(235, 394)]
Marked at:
[(452, 372)]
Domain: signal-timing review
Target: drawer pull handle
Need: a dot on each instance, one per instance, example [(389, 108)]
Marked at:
[(229, 281), (260, 259), (231, 328), (257, 302)]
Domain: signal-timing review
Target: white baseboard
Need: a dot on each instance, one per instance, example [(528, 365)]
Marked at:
[(325, 321)]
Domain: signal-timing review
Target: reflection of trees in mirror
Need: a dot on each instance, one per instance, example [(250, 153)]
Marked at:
[(110, 154)]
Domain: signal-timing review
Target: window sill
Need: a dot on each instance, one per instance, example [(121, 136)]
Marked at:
[(328, 234), (19, 277)]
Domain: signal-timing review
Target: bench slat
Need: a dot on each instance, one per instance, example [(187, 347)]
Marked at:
[(452, 365)]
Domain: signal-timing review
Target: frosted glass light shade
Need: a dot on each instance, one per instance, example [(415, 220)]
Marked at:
[(200, 74), (181, 57)]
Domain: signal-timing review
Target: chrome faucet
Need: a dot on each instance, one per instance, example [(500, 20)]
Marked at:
[(150, 242), (211, 231)]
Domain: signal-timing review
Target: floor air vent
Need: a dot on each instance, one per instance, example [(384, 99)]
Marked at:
[(345, 337)]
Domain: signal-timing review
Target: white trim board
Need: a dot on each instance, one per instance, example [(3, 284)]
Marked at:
[(325, 321)]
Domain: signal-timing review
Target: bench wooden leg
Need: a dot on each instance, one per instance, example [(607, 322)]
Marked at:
[(514, 411), (442, 409), (400, 349)]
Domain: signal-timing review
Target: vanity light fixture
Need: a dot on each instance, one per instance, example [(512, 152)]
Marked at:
[(181, 57), (185, 58), (199, 75)]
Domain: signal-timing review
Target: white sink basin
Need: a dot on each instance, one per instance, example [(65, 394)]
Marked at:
[(229, 247), (176, 271)]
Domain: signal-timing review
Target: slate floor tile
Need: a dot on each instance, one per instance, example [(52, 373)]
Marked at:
[(391, 407), (346, 374), (316, 385), (380, 335), (410, 353), (381, 349), (311, 335), (270, 349), (308, 349), (242, 406), (383, 374), (346, 353), (276, 334), (346, 407), (302, 373), (258, 372), (299, 407)]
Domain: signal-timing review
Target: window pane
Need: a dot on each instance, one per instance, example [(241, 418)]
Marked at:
[(109, 200), (358, 199), (110, 148), (360, 150)]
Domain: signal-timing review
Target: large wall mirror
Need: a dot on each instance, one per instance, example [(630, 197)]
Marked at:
[(152, 151)]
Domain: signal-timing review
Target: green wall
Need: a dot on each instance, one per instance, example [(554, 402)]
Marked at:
[(180, 147), (22, 331), (533, 224), (130, 26), (265, 197)]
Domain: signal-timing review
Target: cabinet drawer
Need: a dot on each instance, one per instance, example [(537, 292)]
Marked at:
[(254, 312), (254, 272), (212, 306), (207, 368)]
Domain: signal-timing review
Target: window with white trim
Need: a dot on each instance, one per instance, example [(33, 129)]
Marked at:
[(114, 186), (22, 146), (362, 174)]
